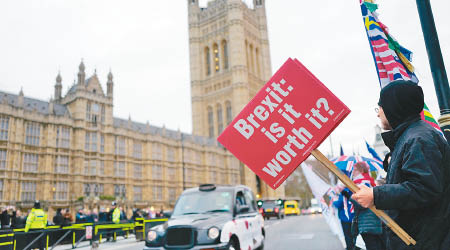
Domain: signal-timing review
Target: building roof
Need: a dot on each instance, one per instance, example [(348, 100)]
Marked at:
[(162, 131), (31, 104), (42, 107), (74, 86)]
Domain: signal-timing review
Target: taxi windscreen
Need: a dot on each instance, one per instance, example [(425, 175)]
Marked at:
[(204, 202), (268, 204)]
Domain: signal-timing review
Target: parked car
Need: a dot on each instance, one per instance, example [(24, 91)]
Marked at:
[(291, 208), (315, 207), (271, 209), (211, 217)]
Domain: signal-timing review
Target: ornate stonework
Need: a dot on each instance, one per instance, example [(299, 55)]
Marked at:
[(230, 62)]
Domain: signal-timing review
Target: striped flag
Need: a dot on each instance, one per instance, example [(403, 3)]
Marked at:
[(428, 117), (392, 61)]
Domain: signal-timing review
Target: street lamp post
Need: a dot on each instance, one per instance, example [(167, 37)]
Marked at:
[(436, 64)]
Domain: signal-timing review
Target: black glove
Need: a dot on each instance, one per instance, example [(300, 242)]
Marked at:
[(346, 194)]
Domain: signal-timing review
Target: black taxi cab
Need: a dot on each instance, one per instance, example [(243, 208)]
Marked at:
[(211, 217)]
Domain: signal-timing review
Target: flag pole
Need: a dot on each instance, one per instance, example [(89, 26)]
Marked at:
[(436, 64), (352, 186)]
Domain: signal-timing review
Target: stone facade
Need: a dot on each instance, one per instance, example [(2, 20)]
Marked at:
[(230, 62), (71, 151)]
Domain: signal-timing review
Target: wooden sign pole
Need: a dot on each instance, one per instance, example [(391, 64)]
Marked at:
[(353, 187)]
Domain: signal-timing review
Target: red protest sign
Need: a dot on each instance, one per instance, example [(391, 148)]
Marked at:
[(290, 116)]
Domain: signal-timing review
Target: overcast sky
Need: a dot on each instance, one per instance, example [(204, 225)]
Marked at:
[(145, 44)]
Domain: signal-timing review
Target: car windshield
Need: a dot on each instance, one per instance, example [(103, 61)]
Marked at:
[(267, 204), (203, 202), (290, 206)]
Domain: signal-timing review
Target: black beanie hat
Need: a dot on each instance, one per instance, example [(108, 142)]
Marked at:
[(401, 100)]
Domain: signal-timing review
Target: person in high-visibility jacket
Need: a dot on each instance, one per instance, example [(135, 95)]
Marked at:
[(115, 214), (36, 220)]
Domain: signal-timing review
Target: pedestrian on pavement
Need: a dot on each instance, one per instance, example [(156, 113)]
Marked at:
[(68, 219), (80, 217), (5, 218), (345, 214), (94, 214), (115, 212), (103, 215), (17, 220), (58, 219), (122, 216), (365, 222), (114, 215), (36, 220), (89, 218), (416, 194)]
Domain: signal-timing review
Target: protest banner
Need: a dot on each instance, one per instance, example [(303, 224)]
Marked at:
[(284, 123), (290, 116)]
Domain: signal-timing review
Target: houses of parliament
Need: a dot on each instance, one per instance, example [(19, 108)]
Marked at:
[(72, 152)]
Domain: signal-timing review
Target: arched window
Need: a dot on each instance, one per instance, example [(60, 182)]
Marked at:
[(216, 57), (208, 62), (219, 119), (210, 122), (225, 54), (88, 111), (258, 69), (228, 110), (252, 61)]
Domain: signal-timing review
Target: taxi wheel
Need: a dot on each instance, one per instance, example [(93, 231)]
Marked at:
[(234, 244)]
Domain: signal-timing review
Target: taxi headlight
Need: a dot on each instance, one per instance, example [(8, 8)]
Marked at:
[(213, 233), (151, 236)]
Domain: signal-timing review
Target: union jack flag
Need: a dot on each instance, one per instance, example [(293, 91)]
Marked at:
[(392, 61), (349, 209)]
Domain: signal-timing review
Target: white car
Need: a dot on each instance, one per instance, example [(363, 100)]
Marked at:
[(211, 217), (315, 209)]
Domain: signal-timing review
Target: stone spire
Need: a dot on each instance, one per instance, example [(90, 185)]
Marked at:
[(20, 99), (147, 127), (109, 85), (130, 123), (58, 87), (51, 107), (81, 74)]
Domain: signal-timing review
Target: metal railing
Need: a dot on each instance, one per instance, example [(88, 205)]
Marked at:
[(52, 236)]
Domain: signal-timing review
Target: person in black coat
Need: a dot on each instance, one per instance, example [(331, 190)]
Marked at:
[(5, 218), (416, 194), (58, 219), (17, 220)]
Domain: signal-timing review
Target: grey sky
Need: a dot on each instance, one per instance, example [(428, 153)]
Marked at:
[(145, 43)]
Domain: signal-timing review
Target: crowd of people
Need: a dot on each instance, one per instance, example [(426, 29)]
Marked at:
[(11, 217)]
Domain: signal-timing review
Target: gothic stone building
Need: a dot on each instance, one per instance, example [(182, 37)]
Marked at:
[(72, 152), (230, 62)]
